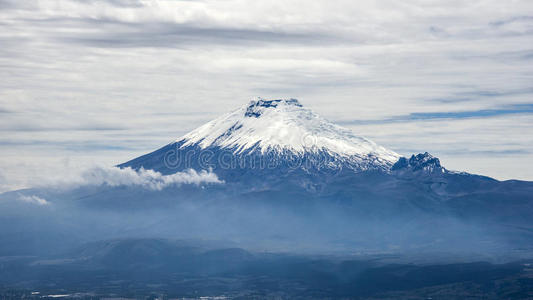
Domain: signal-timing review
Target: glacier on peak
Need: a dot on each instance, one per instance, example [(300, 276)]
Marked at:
[(284, 125)]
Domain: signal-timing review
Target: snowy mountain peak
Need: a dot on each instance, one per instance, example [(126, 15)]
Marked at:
[(283, 125), (421, 162), (256, 108)]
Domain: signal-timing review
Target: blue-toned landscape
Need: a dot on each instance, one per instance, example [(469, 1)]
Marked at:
[(271, 200), (280, 149)]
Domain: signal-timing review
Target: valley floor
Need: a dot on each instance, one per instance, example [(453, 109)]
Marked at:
[(294, 278)]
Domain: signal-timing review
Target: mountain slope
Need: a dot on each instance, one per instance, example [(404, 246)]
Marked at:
[(269, 134), (280, 125)]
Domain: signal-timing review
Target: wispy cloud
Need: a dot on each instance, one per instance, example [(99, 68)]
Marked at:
[(425, 116), (184, 35), (509, 110), (512, 20), (33, 199), (149, 179)]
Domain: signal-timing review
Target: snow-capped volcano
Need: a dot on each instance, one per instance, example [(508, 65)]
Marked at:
[(269, 134), (282, 125)]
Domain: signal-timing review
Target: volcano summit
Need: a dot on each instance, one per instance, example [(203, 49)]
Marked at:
[(269, 134)]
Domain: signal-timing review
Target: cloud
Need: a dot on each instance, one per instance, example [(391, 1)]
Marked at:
[(512, 20), (186, 35), (109, 80), (33, 200), (425, 116), (148, 179), (515, 109), (66, 174), (118, 3)]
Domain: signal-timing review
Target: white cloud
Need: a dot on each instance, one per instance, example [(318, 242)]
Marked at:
[(149, 179), (33, 200), (62, 173), (113, 176)]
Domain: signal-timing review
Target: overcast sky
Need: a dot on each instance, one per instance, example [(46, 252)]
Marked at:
[(100, 82)]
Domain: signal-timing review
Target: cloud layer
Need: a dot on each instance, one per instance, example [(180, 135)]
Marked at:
[(145, 178), (105, 81), (113, 176)]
